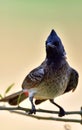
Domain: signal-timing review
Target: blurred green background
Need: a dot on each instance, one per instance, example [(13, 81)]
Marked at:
[(24, 27)]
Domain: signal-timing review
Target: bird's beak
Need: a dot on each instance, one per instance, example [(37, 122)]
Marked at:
[(49, 44)]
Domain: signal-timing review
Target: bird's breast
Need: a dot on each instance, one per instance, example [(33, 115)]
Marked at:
[(54, 83)]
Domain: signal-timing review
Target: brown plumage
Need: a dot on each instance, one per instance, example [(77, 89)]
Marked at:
[(52, 78)]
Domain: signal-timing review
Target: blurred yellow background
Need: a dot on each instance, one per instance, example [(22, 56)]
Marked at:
[(24, 27)]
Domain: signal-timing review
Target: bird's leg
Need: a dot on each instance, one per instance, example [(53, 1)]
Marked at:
[(33, 109), (31, 96), (61, 112)]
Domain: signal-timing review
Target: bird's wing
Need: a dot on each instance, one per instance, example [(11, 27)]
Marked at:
[(34, 78), (73, 81)]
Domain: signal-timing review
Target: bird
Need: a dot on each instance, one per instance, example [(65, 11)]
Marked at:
[(52, 78)]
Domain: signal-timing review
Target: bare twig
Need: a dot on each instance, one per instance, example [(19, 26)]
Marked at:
[(40, 110), (48, 118), (23, 111)]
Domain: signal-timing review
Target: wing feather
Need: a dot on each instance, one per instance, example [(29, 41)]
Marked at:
[(34, 78), (73, 81)]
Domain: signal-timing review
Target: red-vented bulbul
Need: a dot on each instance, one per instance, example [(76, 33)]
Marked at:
[(52, 78)]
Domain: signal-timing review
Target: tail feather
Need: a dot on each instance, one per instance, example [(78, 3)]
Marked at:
[(14, 99), (39, 101)]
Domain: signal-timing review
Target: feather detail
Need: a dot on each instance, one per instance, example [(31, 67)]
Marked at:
[(33, 78)]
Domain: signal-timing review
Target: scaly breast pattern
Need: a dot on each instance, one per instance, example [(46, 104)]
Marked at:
[(54, 83)]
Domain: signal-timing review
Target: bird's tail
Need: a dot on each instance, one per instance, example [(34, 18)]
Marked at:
[(14, 99)]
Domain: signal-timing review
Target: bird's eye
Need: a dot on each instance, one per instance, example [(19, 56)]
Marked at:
[(56, 43)]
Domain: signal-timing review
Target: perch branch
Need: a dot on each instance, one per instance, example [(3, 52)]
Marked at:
[(23, 111), (49, 118)]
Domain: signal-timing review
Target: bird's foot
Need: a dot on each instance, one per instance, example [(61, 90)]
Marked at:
[(61, 112), (32, 111)]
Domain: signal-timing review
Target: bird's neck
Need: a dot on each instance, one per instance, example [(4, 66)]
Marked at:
[(57, 61)]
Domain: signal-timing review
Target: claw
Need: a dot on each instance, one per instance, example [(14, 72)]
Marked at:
[(32, 111), (61, 112)]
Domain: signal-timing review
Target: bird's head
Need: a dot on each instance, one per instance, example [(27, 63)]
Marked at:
[(54, 47)]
